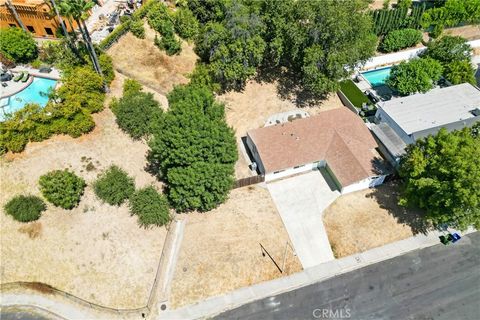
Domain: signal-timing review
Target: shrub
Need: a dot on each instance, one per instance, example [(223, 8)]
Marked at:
[(169, 43), (400, 39), (25, 208), (448, 49), (460, 72), (131, 86), (137, 113), (114, 186), (417, 75), (106, 64), (18, 45), (62, 188), (150, 207), (186, 25), (137, 29)]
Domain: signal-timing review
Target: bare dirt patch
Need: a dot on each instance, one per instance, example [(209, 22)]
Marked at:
[(370, 218), (221, 249), (250, 109), (470, 32), (140, 59), (95, 251)]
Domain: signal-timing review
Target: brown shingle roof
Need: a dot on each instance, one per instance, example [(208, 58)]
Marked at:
[(338, 136)]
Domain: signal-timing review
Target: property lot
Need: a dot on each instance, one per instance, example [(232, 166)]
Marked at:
[(221, 249), (140, 59), (94, 251), (251, 108), (370, 218)]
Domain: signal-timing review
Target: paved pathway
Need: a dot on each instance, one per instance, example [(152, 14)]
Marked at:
[(300, 200)]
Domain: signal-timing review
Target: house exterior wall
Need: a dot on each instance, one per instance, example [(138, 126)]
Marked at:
[(35, 17), (253, 150), (458, 125), (290, 171), (370, 182), (382, 116)]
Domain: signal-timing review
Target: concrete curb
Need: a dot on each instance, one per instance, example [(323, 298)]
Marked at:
[(216, 305)]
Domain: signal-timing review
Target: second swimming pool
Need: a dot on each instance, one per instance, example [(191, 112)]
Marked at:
[(377, 77)]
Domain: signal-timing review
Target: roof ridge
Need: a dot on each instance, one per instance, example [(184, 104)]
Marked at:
[(349, 150)]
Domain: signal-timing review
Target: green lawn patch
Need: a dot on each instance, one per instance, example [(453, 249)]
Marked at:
[(353, 93)]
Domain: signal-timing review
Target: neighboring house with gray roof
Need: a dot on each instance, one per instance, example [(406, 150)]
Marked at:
[(401, 121)]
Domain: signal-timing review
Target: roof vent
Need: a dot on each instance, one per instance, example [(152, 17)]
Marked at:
[(475, 112)]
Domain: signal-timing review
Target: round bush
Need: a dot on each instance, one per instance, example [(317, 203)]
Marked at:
[(18, 45), (150, 207), (400, 39), (25, 208), (62, 188), (137, 113), (114, 186)]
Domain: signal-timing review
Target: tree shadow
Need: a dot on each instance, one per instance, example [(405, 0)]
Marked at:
[(289, 86), (387, 196)]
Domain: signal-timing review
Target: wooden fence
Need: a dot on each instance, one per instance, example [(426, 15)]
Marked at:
[(248, 181)]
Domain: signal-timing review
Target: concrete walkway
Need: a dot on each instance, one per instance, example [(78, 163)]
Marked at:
[(300, 200)]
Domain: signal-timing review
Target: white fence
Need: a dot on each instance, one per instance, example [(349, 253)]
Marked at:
[(391, 58)]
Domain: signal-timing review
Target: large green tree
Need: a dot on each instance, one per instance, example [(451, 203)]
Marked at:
[(448, 49), (193, 150), (417, 75), (17, 45), (442, 176), (322, 41), (234, 47)]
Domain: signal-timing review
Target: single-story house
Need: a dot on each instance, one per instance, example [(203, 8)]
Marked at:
[(336, 140), (401, 121)]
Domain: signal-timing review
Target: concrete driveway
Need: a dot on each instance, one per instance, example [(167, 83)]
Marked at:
[(300, 200)]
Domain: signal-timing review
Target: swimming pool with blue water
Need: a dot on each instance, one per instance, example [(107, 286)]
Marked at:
[(377, 77), (36, 92)]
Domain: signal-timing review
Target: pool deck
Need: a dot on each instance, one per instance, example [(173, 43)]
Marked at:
[(54, 74), (15, 87)]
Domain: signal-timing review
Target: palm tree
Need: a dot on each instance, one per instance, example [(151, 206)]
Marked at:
[(78, 11), (59, 17)]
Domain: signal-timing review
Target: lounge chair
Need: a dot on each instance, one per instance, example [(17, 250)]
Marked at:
[(26, 75), (18, 77)]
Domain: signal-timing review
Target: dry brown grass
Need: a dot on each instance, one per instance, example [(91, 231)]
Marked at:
[(33, 229), (366, 219), (94, 251), (140, 59), (470, 32), (221, 249)]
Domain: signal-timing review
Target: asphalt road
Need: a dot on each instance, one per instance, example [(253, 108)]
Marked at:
[(440, 282)]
